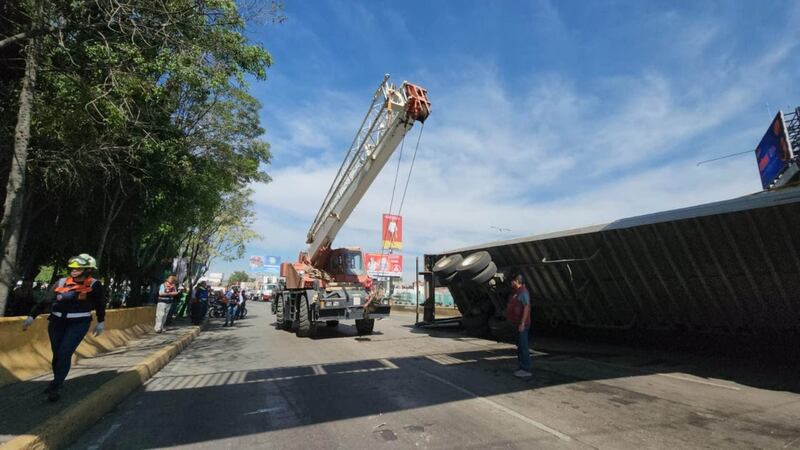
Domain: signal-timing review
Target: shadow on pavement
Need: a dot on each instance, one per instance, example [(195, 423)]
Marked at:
[(264, 400), (24, 405)]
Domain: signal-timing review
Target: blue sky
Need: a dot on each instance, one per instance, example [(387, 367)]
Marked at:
[(547, 115)]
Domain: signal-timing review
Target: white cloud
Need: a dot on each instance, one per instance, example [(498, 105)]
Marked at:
[(552, 156)]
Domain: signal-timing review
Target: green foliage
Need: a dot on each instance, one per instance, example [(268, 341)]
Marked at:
[(239, 277), (144, 135), (44, 275)]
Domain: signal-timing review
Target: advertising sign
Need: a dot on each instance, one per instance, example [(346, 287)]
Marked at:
[(214, 278), (384, 265), (256, 262), (392, 231), (265, 264), (773, 152), (272, 264)]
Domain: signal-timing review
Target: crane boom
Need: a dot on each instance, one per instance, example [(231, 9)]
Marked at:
[(391, 115)]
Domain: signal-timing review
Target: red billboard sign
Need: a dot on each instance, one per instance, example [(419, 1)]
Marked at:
[(392, 231), (384, 265)]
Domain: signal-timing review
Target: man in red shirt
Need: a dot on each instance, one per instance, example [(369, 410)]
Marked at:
[(518, 312)]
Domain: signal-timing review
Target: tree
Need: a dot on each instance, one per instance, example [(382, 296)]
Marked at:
[(239, 276), (139, 126)]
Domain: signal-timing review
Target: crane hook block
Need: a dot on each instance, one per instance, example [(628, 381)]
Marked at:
[(419, 107)]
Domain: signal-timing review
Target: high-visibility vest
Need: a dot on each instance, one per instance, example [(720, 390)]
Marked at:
[(82, 288)]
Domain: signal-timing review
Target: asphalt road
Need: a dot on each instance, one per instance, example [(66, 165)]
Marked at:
[(252, 386)]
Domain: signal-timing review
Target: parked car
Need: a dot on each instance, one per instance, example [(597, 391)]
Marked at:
[(267, 290)]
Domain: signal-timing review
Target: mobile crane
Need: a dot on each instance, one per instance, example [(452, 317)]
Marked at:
[(329, 285)]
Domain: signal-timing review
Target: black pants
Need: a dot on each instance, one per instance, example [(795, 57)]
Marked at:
[(65, 336), (198, 312)]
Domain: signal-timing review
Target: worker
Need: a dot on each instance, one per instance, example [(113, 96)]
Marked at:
[(199, 303), (72, 301), (232, 301), (166, 297), (518, 312)]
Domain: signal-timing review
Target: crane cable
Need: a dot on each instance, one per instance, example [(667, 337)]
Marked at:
[(410, 169), (405, 189), (397, 173)]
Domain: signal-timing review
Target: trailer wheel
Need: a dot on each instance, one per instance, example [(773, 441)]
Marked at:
[(474, 264), (332, 323), (447, 265), (305, 327), (365, 326), (486, 274), (445, 281)]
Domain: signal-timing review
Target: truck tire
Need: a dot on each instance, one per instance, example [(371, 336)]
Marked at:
[(332, 323), (447, 265), (445, 281), (305, 327), (365, 326), (486, 274), (287, 317), (474, 264), (278, 306)]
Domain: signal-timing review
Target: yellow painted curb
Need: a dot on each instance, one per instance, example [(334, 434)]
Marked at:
[(63, 428)]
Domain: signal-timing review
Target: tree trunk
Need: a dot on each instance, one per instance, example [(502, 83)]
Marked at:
[(111, 215), (11, 224)]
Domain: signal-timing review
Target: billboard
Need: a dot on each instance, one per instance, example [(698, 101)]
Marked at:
[(392, 236), (774, 152), (384, 265), (265, 264)]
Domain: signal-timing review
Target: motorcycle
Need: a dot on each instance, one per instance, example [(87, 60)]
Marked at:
[(216, 308)]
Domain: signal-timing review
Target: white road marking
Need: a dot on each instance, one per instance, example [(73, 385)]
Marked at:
[(506, 410), (388, 363), (101, 439), (692, 380), (448, 360), (262, 411), (183, 382)]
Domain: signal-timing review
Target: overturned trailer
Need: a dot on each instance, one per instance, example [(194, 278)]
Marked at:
[(730, 267)]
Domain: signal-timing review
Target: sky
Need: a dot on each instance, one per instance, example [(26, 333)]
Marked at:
[(546, 115)]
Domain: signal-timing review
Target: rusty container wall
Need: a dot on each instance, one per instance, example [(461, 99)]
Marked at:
[(730, 267)]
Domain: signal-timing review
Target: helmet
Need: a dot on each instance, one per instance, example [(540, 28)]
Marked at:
[(82, 261)]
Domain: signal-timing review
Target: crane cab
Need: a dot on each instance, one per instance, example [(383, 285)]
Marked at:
[(346, 265)]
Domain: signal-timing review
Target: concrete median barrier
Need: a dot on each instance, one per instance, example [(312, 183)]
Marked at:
[(26, 354)]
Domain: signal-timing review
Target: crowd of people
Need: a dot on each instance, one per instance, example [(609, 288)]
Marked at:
[(174, 301)]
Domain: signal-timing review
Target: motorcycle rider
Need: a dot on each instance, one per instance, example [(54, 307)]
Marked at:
[(73, 299)]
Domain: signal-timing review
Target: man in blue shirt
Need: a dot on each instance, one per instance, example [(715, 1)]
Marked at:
[(233, 301), (199, 303)]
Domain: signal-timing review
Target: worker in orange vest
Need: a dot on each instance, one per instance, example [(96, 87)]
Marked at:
[(73, 300)]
